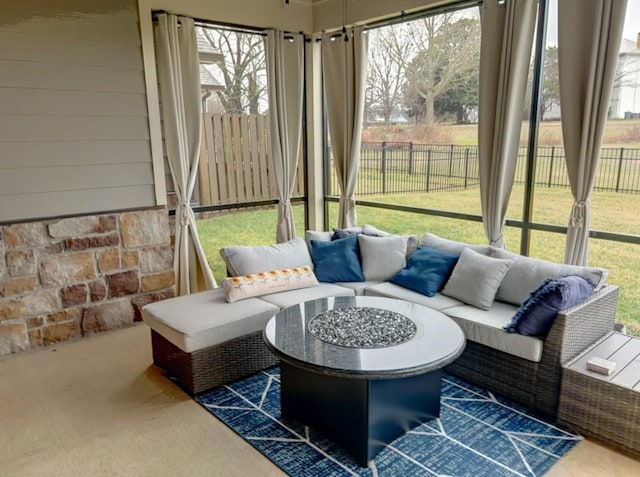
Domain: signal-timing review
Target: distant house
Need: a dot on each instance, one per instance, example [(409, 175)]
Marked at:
[(208, 83), (625, 97)]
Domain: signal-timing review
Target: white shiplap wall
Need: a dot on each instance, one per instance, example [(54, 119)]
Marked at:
[(74, 129)]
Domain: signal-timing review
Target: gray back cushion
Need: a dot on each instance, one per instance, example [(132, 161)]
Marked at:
[(382, 257), (242, 260), (446, 245), (526, 274)]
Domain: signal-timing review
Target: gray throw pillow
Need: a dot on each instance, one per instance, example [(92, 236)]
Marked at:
[(475, 279), (382, 257)]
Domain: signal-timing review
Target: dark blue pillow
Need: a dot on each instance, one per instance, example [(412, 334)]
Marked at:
[(337, 261), (427, 270), (342, 233), (538, 312)]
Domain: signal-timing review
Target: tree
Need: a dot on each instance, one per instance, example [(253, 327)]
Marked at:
[(243, 69), (550, 81), (389, 47), (447, 60)]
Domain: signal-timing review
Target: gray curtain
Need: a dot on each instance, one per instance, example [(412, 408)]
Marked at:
[(505, 53), (179, 78), (588, 46), (285, 75), (344, 67)]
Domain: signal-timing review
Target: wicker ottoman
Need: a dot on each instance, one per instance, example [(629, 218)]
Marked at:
[(202, 341), (601, 406)]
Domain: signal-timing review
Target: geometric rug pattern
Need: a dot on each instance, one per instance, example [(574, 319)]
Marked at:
[(477, 434)]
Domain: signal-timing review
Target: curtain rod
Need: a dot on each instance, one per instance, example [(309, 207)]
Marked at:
[(232, 26), (414, 15)]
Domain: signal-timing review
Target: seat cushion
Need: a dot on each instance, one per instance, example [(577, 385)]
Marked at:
[(295, 297), (200, 320), (486, 327), (359, 288), (390, 290)]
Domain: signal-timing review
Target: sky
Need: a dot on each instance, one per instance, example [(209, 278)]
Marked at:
[(631, 24)]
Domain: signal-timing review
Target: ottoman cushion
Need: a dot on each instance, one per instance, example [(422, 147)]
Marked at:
[(200, 320)]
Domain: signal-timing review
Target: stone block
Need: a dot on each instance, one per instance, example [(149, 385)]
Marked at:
[(78, 226), (67, 269), (73, 295), (18, 286), (158, 281), (60, 332), (35, 337), (97, 290), (108, 259), (107, 316), (35, 322), (66, 315), (130, 259), (13, 338), (142, 300), (41, 302), (54, 248), (156, 259), (146, 228), (3, 267), (99, 241), (31, 234), (124, 283), (12, 310), (21, 263)]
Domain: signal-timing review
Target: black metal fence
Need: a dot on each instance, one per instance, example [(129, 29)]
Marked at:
[(405, 167)]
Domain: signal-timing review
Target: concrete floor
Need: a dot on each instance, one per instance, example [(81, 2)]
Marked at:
[(98, 407)]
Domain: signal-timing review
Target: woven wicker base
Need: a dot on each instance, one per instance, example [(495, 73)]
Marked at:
[(602, 410), (507, 375), (604, 407), (210, 367)]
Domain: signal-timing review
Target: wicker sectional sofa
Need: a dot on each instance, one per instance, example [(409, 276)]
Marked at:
[(204, 341)]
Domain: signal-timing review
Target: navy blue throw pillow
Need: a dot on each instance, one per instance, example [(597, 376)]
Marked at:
[(342, 233), (427, 270), (337, 261), (538, 312)]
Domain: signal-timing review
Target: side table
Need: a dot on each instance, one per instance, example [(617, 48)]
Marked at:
[(601, 406)]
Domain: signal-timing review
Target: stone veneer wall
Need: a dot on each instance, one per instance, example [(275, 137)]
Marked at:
[(62, 279)]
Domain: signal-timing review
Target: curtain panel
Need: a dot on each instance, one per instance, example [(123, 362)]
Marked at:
[(505, 53), (344, 67), (179, 78), (285, 76), (588, 46)]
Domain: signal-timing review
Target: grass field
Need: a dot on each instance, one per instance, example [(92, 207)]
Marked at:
[(618, 133)]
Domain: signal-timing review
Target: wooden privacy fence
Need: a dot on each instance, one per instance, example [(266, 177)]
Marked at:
[(235, 160)]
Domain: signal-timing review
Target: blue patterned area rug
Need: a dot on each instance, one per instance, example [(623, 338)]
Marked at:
[(477, 434)]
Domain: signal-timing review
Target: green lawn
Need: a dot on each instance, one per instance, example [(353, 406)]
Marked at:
[(613, 212)]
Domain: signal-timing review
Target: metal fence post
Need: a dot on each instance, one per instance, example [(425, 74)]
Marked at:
[(428, 176), (620, 159), (451, 161), (466, 166), (383, 167), (553, 153), (410, 158)]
